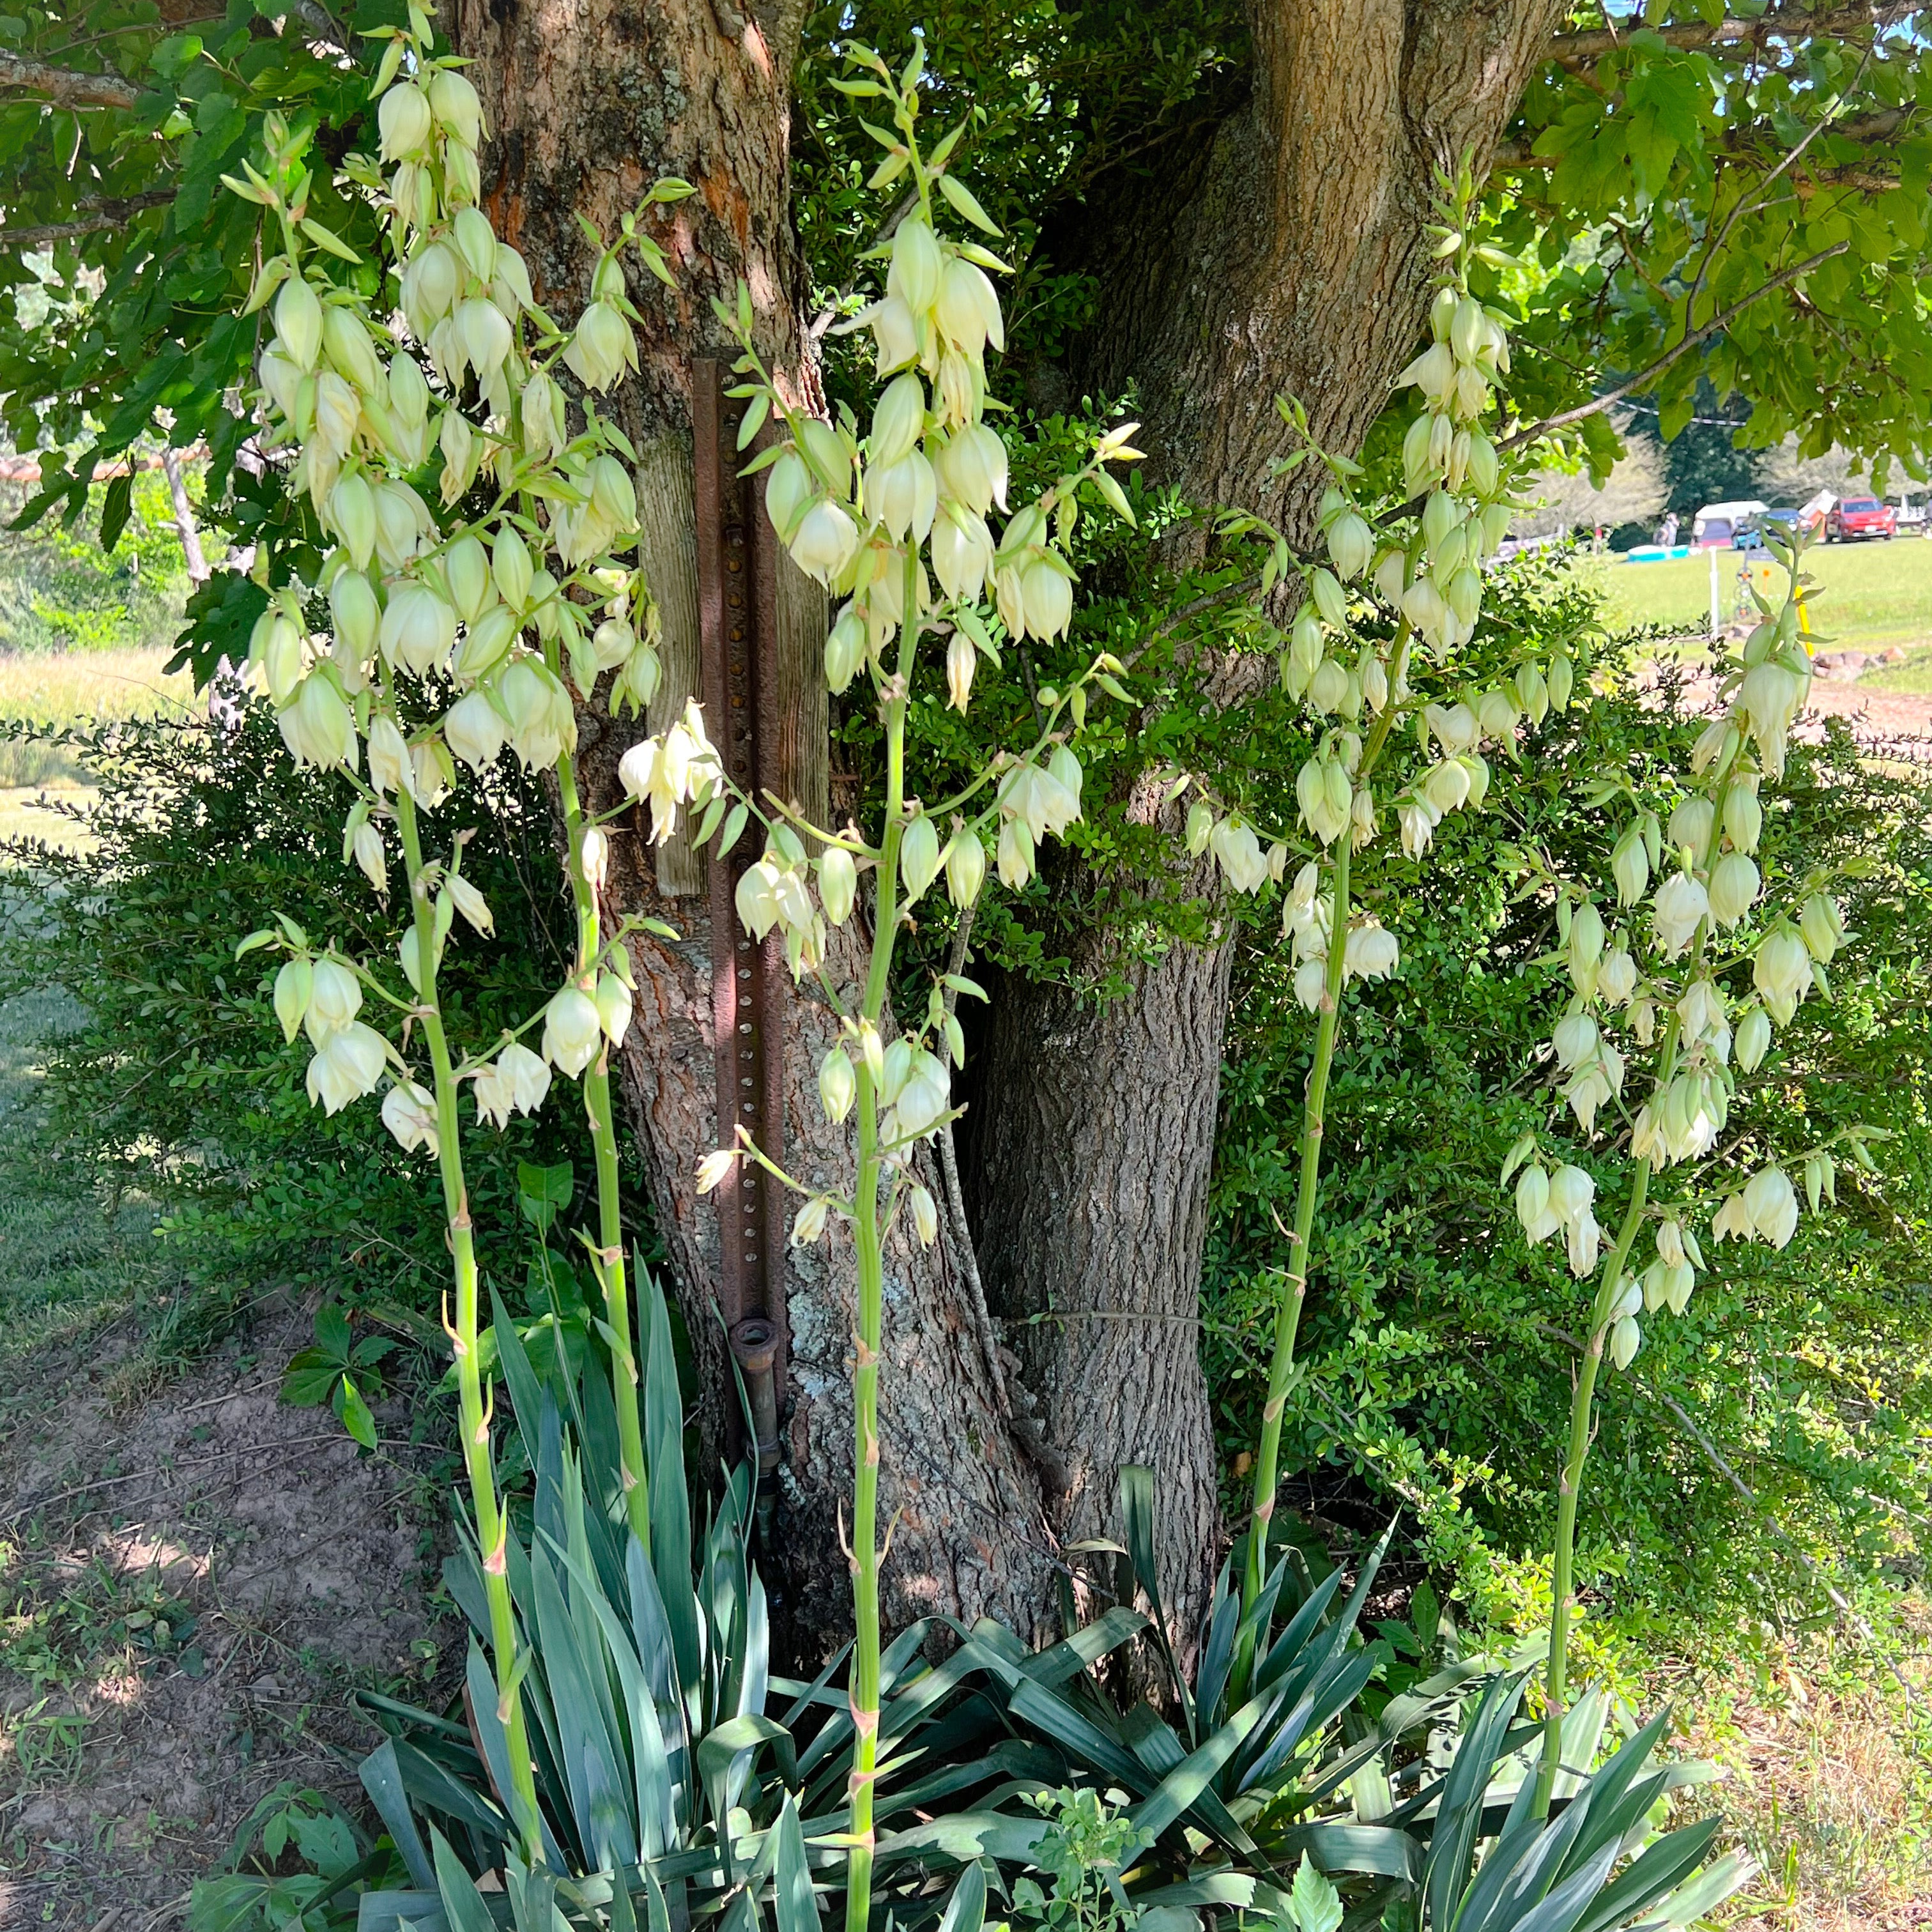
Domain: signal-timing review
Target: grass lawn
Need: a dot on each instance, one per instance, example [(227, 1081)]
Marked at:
[(1870, 596), (54, 690)]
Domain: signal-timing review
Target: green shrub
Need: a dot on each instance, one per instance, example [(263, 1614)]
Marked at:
[(1439, 1344), (180, 1083)]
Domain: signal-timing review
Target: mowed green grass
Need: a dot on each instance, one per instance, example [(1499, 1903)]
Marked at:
[(1870, 596), (55, 690)]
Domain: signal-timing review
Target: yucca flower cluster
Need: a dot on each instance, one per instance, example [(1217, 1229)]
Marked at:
[(1657, 976), (430, 612), (470, 595), (906, 520), (1677, 888)]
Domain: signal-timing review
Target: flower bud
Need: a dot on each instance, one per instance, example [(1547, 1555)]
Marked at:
[(919, 856), (404, 119), (294, 986), (613, 1007), (419, 628), (962, 660), (845, 649), (838, 1084), (1626, 1338), (1048, 598), (1823, 929), (838, 884), (1752, 1040), (903, 495), (298, 323), (965, 867), (810, 1223), (1629, 864), (348, 345), (898, 420), (917, 265), (1772, 1205), (1744, 816), (1734, 888)]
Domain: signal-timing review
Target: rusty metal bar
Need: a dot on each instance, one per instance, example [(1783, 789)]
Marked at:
[(737, 631)]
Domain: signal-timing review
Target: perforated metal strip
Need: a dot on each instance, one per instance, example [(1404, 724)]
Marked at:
[(737, 606)]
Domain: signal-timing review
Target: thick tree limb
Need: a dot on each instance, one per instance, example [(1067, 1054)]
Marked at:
[(1571, 51), (1644, 378), (65, 88), (89, 218)]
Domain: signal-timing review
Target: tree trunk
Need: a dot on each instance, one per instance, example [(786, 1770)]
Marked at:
[(1288, 254), (585, 112)]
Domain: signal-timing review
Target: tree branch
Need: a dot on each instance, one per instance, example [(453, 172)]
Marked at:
[(1644, 378), (1789, 22), (64, 88), (89, 216)]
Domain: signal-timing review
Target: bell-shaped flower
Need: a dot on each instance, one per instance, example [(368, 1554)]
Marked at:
[(409, 1112), (317, 727), (1616, 976), (1682, 905), (926, 1094), (537, 710), (1782, 972), (962, 553), (919, 856), (838, 1084), (573, 1030), (1771, 1203), (1582, 1237), (419, 628), (1371, 952), (473, 731), (1575, 1040), (1015, 856), (823, 544), (404, 121), (602, 348), (925, 1214), (1046, 596), (389, 767), (347, 1064), (903, 495)]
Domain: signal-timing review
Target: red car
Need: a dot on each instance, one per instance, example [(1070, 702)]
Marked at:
[(1860, 516)]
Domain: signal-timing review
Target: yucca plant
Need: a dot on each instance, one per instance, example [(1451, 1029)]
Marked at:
[(647, 1680)]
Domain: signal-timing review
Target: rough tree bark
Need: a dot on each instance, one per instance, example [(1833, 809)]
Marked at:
[(1286, 253), (588, 102)]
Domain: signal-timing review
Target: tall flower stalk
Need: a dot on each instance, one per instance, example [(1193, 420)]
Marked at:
[(1386, 634), (1674, 984), (896, 525), (445, 634)]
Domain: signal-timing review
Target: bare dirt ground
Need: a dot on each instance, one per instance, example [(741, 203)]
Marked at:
[(194, 1578)]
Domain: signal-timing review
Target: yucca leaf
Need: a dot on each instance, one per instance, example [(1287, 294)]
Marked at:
[(1662, 1865), (482, 1689), (1194, 1775), (1137, 1513), (1458, 1811), (1607, 1787), (462, 1903), (1518, 1870), (382, 1777), (794, 1909), (966, 1909), (1380, 1851), (671, 1506), (650, 1765), (965, 1836), (1560, 1911)]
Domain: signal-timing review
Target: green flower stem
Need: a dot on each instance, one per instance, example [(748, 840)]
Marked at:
[(598, 1109), (869, 1238), (1295, 1282), (1569, 1481), (492, 1528)]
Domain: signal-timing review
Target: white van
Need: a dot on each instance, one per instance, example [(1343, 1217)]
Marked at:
[(1717, 524)]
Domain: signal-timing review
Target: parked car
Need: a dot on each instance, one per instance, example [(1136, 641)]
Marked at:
[(1715, 526), (1861, 518)]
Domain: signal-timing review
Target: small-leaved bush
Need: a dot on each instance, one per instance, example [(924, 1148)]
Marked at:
[(1441, 1344), (180, 1083)]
